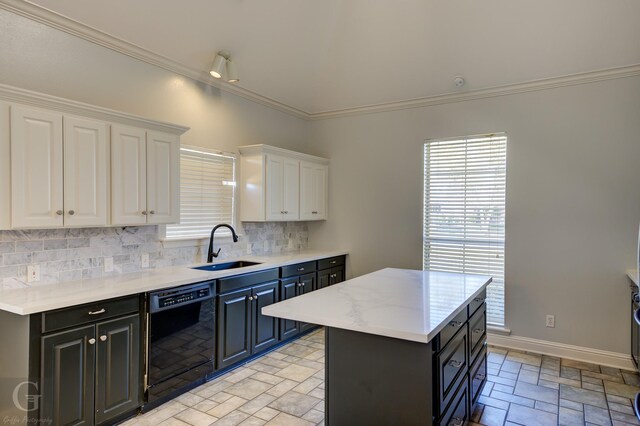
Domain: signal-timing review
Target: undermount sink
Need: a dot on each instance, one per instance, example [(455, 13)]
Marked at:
[(226, 265)]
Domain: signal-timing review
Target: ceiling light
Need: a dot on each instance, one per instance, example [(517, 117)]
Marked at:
[(223, 62)]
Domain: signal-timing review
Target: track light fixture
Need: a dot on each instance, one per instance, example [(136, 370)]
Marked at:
[(222, 61)]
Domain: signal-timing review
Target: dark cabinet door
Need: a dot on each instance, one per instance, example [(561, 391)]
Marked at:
[(118, 367), (234, 327), (288, 290), (324, 278), (306, 285), (265, 328), (68, 372), (337, 274)]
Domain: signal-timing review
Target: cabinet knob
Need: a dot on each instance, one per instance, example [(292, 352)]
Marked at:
[(92, 341), (72, 212), (152, 212), (281, 211), (103, 338), (59, 212), (144, 212), (286, 212)]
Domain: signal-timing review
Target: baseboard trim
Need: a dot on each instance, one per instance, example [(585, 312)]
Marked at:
[(578, 353)]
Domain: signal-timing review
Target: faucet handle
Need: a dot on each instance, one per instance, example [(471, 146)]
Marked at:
[(218, 252)]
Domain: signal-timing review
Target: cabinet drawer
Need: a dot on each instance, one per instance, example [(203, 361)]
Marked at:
[(297, 269), (90, 312), (458, 412), (478, 375), (452, 365), (477, 302), (331, 262), (246, 280), (449, 330), (477, 331)]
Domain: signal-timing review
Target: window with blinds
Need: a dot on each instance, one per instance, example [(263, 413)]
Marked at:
[(464, 211), (207, 189)]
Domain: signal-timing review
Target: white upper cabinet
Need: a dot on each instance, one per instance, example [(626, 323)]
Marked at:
[(128, 176), (36, 168), (145, 177), (283, 184), (86, 163), (63, 164), (274, 188), (163, 185), (313, 191)]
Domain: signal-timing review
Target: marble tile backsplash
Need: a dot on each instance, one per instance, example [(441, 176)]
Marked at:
[(79, 253)]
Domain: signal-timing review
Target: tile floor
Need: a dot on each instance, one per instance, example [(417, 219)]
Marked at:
[(286, 387)]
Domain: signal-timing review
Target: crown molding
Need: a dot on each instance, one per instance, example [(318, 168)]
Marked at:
[(70, 26), (41, 100), (55, 20), (506, 90)]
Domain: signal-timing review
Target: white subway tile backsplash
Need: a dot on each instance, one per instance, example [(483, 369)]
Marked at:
[(78, 253)]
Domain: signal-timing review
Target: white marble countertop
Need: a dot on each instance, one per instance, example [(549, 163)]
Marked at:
[(634, 276), (400, 303), (39, 298)]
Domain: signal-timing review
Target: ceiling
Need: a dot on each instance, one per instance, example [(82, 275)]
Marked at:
[(328, 55)]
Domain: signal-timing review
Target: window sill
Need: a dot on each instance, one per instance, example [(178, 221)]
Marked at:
[(495, 329)]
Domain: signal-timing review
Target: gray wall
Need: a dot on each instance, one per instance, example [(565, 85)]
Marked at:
[(573, 199)]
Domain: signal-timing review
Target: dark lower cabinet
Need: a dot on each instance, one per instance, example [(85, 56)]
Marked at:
[(458, 412), (331, 276), (118, 367), (291, 287), (90, 374), (68, 374), (242, 329)]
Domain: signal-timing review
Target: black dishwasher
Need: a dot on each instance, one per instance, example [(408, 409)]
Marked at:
[(181, 339)]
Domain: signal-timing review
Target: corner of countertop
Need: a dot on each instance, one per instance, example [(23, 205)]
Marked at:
[(634, 276)]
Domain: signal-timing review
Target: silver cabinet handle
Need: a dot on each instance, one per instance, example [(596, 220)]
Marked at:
[(281, 211), (455, 364), (152, 212), (478, 331), (59, 212), (72, 212), (286, 212), (455, 324), (144, 212), (300, 269), (314, 212), (456, 421), (103, 338), (101, 311), (478, 299), (92, 341), (481, 376), (333, 262)]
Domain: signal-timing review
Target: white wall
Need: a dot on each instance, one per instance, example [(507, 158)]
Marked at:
[(37, 57), (573, 199)]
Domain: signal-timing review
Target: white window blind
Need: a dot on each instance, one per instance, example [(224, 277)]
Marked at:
[(464, 211), (207, 188)]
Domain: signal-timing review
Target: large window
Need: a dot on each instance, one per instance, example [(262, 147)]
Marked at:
[(207, 189), (464, 211)]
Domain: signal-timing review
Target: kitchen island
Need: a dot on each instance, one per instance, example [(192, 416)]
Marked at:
[(402, 346)]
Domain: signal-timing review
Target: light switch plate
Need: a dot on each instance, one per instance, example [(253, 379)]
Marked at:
[(144, 260), (108, 264), (33, 273)]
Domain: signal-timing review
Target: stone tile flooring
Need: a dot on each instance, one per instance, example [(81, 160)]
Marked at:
[(286, 387)]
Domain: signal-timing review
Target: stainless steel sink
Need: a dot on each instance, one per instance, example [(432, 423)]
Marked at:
[(226, 265)]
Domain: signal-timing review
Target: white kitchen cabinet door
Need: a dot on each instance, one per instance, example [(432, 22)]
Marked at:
[(275, 187), (313, 191), (36, 168), (86, 162), (128, 176), (163, 178), (291, 190)]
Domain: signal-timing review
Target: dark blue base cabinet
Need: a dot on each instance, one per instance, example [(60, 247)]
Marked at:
[(376, 380)]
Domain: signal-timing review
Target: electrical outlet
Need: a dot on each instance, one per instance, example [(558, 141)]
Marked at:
[(551, 321), (33, 273), (108, 264), (144, 260), (248, 248)]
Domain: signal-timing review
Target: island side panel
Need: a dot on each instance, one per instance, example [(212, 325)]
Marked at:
[(14, 366), (377, 380)]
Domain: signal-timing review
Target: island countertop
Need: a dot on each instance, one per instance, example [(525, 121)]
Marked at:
[(400, 303)]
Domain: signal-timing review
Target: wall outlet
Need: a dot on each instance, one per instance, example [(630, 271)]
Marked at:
[(33, 273), (144, 260), (551, 321), (108, 264)]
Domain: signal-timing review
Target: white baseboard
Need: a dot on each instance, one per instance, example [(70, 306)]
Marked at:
[(560, 350)]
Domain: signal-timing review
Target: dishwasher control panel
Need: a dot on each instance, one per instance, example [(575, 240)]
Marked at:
[(167, 299)]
